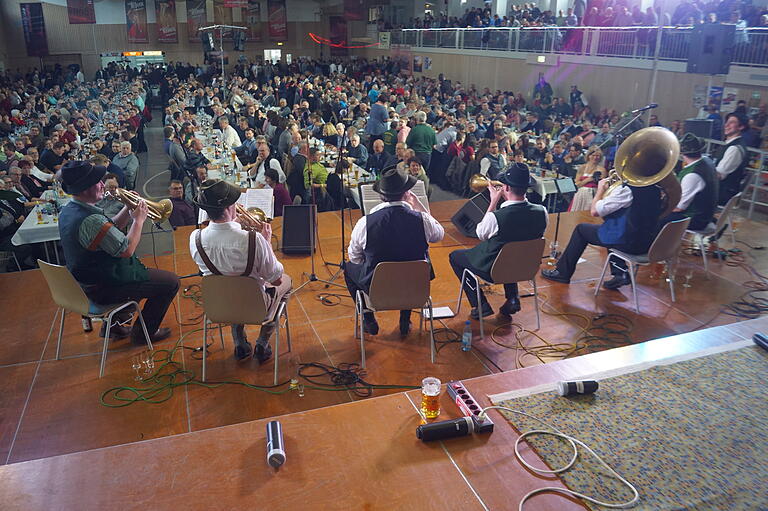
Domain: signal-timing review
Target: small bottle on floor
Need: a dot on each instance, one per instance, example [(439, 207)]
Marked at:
[(87, 325), (466, 337)]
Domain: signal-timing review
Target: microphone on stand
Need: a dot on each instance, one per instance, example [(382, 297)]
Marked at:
[(646, 107)]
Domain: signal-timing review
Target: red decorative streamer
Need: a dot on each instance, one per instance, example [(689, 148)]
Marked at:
[(322, 40)]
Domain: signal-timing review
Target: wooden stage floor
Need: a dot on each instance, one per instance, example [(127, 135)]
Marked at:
[(52, 407)]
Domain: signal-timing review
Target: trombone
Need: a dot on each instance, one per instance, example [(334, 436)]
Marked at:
[(158, 211)]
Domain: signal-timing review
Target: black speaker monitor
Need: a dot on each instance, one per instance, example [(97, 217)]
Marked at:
[(471, 213), (297, 222), (711, 49), (699, 127)]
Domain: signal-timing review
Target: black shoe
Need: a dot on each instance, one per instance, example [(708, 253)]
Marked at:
[(617, 281), (555, 276), (116, 332), (243, 351), (510, 307), (138, 338), (370, 326), (405, 322), (487, 310), (263, 353)]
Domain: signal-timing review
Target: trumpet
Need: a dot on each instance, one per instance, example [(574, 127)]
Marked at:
[(255, 214), (478, 183), (158, 211)]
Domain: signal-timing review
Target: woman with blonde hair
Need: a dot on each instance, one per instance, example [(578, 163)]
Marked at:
[(586, 180)]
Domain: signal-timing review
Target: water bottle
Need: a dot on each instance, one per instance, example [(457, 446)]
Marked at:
[(466, 337)]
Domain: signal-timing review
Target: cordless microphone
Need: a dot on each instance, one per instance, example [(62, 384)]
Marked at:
[(275, 446), (463, 426), (646, 107)]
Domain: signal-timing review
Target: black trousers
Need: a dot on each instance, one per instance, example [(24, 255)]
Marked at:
[(159, 290), (459, 261), (425, 159), (583, 235), (353, 275)]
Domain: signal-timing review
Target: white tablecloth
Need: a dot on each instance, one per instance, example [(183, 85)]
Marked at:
[(32, 232)]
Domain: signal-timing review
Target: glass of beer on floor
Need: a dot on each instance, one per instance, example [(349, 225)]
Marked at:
[(430, 397)]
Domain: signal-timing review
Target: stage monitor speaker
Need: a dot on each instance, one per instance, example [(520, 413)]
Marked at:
[(471, 213), (699, 127), (711, 49), (297, 225)]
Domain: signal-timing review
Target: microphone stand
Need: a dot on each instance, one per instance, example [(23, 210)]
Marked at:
[(343, 202), (312, 276)]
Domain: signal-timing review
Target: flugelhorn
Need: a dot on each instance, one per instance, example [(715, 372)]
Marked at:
[(478, 183), (256, 214), (158, 211)]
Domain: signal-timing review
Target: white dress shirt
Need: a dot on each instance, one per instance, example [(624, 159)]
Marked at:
[(258, 175), (489, 226), (432, 230), (485, 164), (226, 244), (230, 137), (732, 158), (691, 184), (621, 198)]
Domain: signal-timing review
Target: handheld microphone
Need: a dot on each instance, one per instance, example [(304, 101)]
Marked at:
[(646, 107), (463, 426), (573, 388), (761, 340), (275, 446)]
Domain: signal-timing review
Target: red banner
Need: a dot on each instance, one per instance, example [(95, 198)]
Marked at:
[(278, 22), (81, 12), (136, 21), (236, 4), (196, 18), (33, 24), (222, 15), (165, 11), (338, 35), (252, 17)]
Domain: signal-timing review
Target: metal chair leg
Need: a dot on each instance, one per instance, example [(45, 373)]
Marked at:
[(61, 332), (671, 279), (358, 319), (287, 328), (221, 336), (144, 328), (431, 332), (277, 340), (536, 304), (634, 284), (703, 250), (106, 343), (602, 275), (205, 343), (359, 306), (16, 260)]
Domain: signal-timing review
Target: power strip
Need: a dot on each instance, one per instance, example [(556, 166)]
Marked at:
[(469, 407)]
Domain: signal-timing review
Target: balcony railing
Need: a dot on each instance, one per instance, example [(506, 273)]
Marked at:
[(750, 45)]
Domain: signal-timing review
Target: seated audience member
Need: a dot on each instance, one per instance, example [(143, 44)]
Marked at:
[(589, 174), (52, 159), (100, 159), (379, 159), (183, 213), (109, 203), (12, 215), (315, 177), (128, 163), (279, 191), (356, 152), (492, 163)]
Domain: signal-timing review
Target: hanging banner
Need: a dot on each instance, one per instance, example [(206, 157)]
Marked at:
[(354, 10), (338, 36), (196, 18), (136, 21), (278, 22), (236, 4), (252, 17), (33, 24), (165, 11), (222, 15), (81, 12)]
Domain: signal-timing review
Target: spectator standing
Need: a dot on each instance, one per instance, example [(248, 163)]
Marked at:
[(422, 139)]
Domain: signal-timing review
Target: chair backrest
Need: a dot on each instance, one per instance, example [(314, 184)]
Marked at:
[(65, 290), (517, 261), (725, 215), (667, 243), (233, 299), (400, 285)]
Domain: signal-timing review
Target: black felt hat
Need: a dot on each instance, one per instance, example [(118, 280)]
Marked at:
[(691, 144), (517, 175), (216, 194), (394, 182), (78, 176)]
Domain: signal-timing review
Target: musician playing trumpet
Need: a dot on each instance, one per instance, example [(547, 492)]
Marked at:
[(101, 257), (236, 243)]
